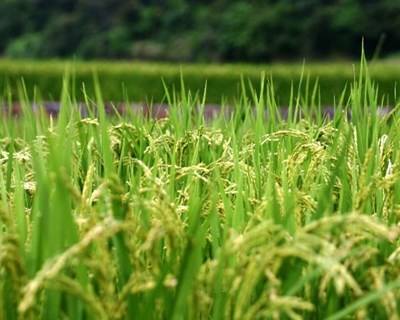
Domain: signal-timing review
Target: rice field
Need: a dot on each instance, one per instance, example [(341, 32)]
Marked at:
[(138, 81), (238, 217)]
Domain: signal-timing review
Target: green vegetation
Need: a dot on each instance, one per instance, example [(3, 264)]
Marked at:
[(138, 81), (188, 30), (239, 218)]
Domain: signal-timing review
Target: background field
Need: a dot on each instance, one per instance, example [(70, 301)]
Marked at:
[(141, 81)]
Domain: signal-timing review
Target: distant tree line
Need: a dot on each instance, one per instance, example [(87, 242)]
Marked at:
[(189, 30)]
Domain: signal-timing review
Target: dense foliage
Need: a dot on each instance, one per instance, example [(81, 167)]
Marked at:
[(256, 30)]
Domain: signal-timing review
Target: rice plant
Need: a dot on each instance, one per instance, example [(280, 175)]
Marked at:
[(244, 216)]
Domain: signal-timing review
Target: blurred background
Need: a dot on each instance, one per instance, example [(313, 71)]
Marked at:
[(199, 31), (136, 46)]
